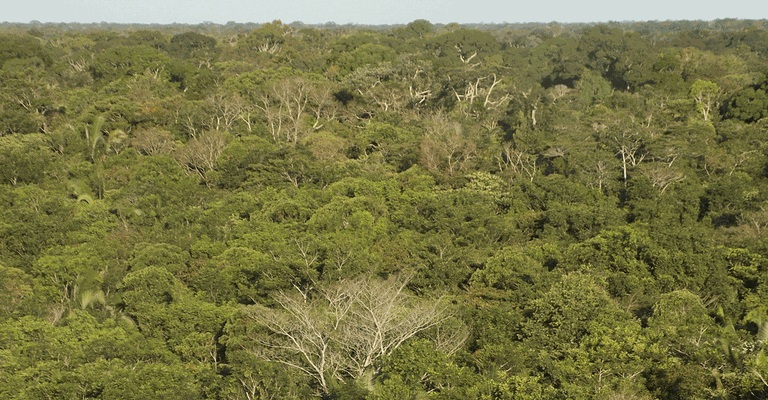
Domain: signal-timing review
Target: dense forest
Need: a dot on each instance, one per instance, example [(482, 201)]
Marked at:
[(425, 211)]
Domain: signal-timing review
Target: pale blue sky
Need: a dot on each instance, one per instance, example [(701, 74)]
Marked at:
[(376, 12)]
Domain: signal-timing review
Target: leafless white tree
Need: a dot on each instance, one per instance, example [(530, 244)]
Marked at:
[(339, 331), (295, 106)]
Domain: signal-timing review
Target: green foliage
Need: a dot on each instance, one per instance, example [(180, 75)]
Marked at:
[(543, 211), (461, 44), (192, 45), (704, 95), (416, 29), (168, 256), (620, 57), (16, 290), (368, 54), (749, 104), (33, 219), (15, 46), (419, 368), (122, 61), (593, 88), (513, 271), (25, 159), (626, 257), (244, 275), (580, 334), (682, 326)]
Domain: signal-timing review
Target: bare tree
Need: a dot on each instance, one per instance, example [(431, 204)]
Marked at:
[(475, 90), (384, 316), (201, 153), (757, 220), (517, 162), (632, 151), (558, 92), (340, 331), (301, 337), (531, 102), (662, 177), (295, 106), (223, 110), (407, 84), (601, 175), (446, 147), (153, 141)]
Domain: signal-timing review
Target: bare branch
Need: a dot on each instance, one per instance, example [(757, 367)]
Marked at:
[(343, 329)]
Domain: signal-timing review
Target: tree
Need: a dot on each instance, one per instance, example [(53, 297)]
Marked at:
[(33, 219), (693, 344), (368, 55), (269, 38), (466, 47), (620, 57), (419, 369), (340, 331), (624, 256), (121, 61), (295, 106), (749, 104), (25, 159), (418, 29), (510, 270), (193, 45), (16, 291), (153, 141), (23, 46), (155, 188), (200, 154), (593, 88), (29, 98), (244, 275), (704, 95), (446, 147), (585, 344)]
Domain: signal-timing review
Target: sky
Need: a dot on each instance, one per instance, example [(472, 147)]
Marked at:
[(376, 12)]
